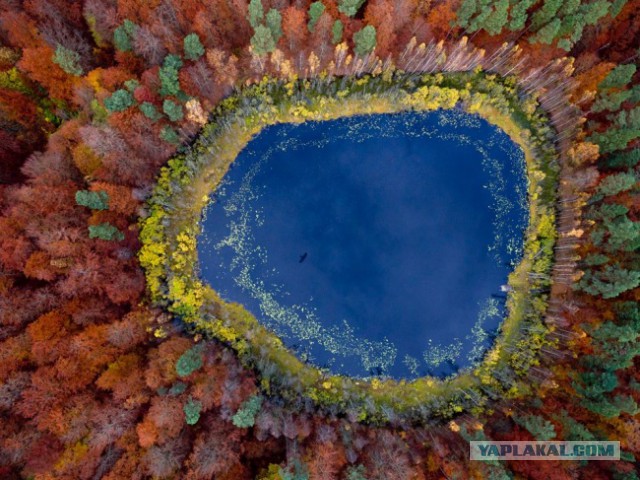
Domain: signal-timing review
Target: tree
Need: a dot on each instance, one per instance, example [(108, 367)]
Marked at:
[(169, 75), (618, 77), (193, 48), (496, 21), (628, 159), (256, 13), (118, 101), (548, 13), (68, 60), (547, 33), (169, 135), (274, 22), (356, 472), (609, 282), (541, 429), (189, 361), (246, 415), (350, 7), (105, 231), (263, 41), (150, 111), (519, 14), (192, 411), (365, 40), (616, 183), (93, 200), (315, 10), (172, 110), (336, 32), (123, 36)]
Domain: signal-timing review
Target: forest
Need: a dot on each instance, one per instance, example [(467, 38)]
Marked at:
[(116, 364)]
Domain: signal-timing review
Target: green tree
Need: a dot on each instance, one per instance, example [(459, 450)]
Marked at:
[(547, 13), (519, 14), (609, 282), (356, 472), (541, 429), (192, 411), (172, 110), (336, 32), (496, 21), (574, 430), (256, 13), (263, 41), (193, 48), (118, 101), (350, 7), (468, 8), (123, 36), (105, 231), (316, 9), (274, 22), (68, 60), (547, 33), (624, 235), (189, 361), (618, 77), (365, 40), (610, 100), (629, 159), (94, 200), (245, 417), (616, 183), (150, 111), (169, 135), (169, 75)]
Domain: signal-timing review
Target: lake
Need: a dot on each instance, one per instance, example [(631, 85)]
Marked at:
[(372, 245)]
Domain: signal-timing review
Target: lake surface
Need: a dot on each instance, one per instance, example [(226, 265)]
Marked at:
[(372, 244)]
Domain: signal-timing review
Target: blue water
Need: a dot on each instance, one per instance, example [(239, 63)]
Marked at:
[(372, 244)]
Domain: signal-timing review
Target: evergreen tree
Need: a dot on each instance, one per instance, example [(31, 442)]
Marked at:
[(169, 75), (93, 200), (541, 429), (618, 77), (519, 14), (105, 231), (365, 40), (189, 361), (150, 111), (68, 60), (192, 411), (123, 36), (336, 32), (316, 9), (629, 159), (256, 13), (193, 48), (245, 417), (172, 110), (496, 21), (118, 101), (169, 135), (616, 183), (547, 33), (609, 282), (546, 14), (262, 40), (350, 7), (274, 22)]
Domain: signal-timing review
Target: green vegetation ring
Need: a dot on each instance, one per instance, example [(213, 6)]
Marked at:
[(172, 224)]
